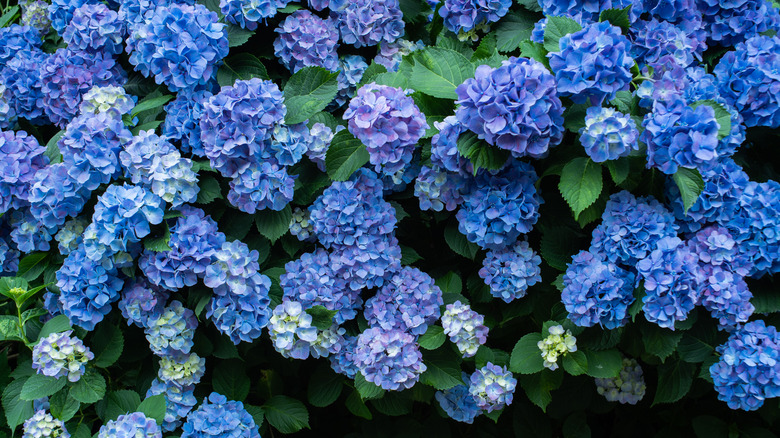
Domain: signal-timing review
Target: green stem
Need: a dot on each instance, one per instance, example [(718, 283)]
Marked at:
[(21, 325)]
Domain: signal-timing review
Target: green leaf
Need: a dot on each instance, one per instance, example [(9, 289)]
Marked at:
[(697, 344), (617, 17), (150, 103), (576, 426), (624, 101), (674, 381), (321, 317), (450, 282), (437, 71), (604, 364), (575, 363), (459, 243), (151, 126), (399, 79), (574, 117), (308, 92), (273, 224), (690, 183), (59, 323), (531, 5), (33, 265), (345, 155), (63, 406), (287, 10), (107, 345), (209, 190), (371, 72), (238, 36), (230, 380), (481, 154), (16, 410), (658, 341), (325, 118), (256, 412), (39, 386), (556, 28), (90, 388), (618, 169), (722, 116), (9, 16), (708, 426), (515, 27), (286, 414), (443, 369), (409, 255), (367, 390), (121, 402), (433, 338), (394, 404), (581, 184), (538, 386), (159, 243), (154, 407), (530, 49), (357, 406), (765, 300), (324, 387), (558, 245), (526, 357), (53, 150), (242, 66), (9, 328)]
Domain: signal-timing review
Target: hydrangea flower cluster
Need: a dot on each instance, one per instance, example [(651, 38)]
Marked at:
[(306, 40), (35, 14), (219, 417), (60, 354), (653, 42), (343, 360), (463, 17), (628, 387), (458, 403), (748, 370), (142, 302), (70, 235), (730, 23), (248, 13), (500, 206), (511, 271), (181, 370), (754, 226), (95, 28), (389, 358), (438, 189), (14, 39), (107, 99), (293, 334), (312, 281), (368, 22), (444, 147), (182, 121), (391, 54), (172, 331), (464, 327), (557, 343), (178, 402), (20, 158), (492, 387), (596, 291), (593, 64), (515, 107), (608, 134), (321, 136), (130, 426), (43, 425), (200, 41), (584, 10), (409, 302), (351, 69), (21, 78), (388, 122)]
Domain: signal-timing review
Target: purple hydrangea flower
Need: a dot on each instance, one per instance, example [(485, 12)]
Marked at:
[(200, 43), (130, 426), (59, 355), (390, 359), (593, 64), (306, 40), (248, 13), (596, 291), (351, 69), (172, 331), (21, 156), (343, 360), (458, 403), (260, 186), (438, 189), (368, 22), (682, 13), (369, 264), (409, 302), (43, 425), (515, 107), (463, 17), (444, 147), (464, 327), (9, 258), (142, 302), (500, 206), (584, 9), (182, 121), (511, 271), (95, 28), (729, 23), (391, 54), (219, 417), (492, 387), (653, 41), (21, 78), (178, 402), (608, 134)]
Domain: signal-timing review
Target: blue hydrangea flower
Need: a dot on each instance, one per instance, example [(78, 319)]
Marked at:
[(87, 288), (368, 22), (181, 370), (260, 186), (669, 274), (16, 38), (458, 403), (584, 9), (748, 81), (142, 302), (438, 189), (515, 107), (130, 426), (234, 271), (21, 156), (300, 226), (653, 41), (172, 332), (351, 69), (95, 28), (241, 317), (596, 291), (748, 370), (627, 388), (444, 147), (464, 327), (492, 387), (343, 360), (593, 64), (608, 134), (288, 143), (630, 228), (463, 17), (28, 234), (178, 402), (349, 212), (66, 75), (218, 417), (236, 122), (390, 359), (754, 226), (182, 120), (21, 78), (391, 54), (123, 215), (511, 271), (369, 264), (293, 334), (200, 43), (9, 258), (152, 162), (307, 40), (35, 13), (248, 13), (43, 425), (715, 247), (682, 13), (61, 12), (70, 235), (107, 99), (59, 355), (729, 23), (388, 122), (500, 206), (409, 302), (133, 12), (319, 141)]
